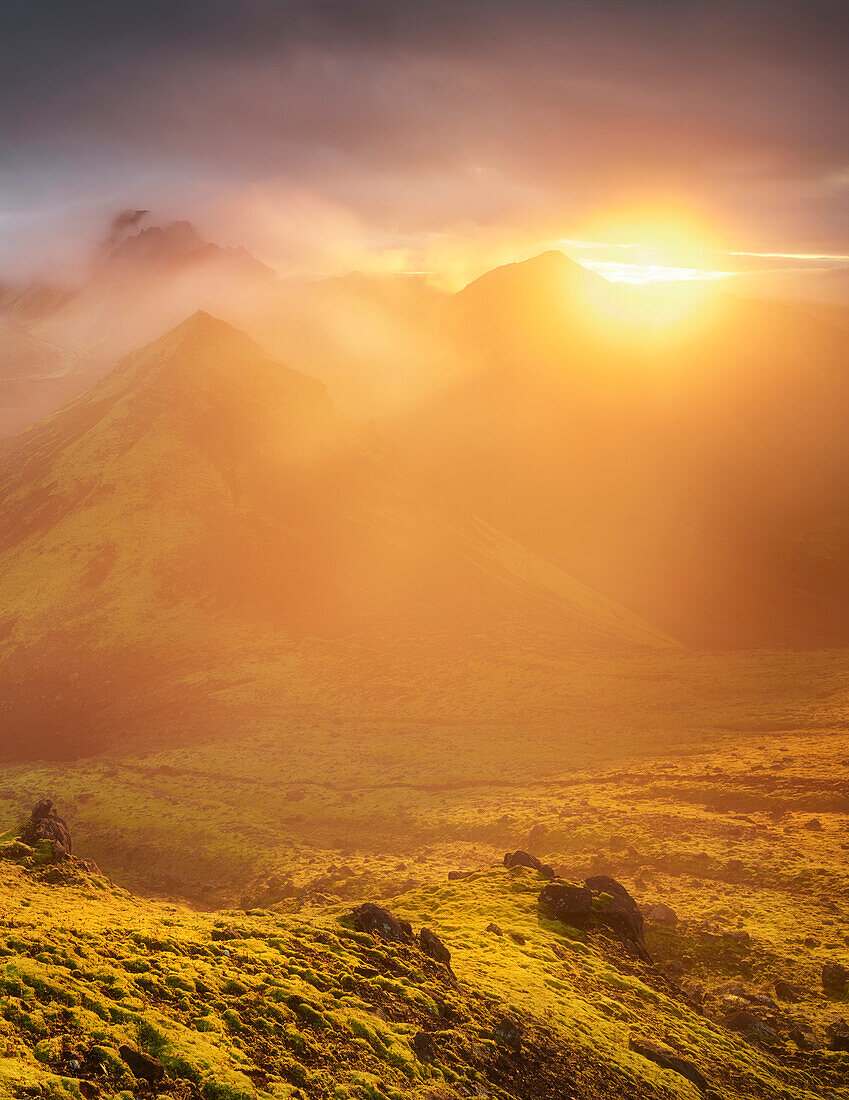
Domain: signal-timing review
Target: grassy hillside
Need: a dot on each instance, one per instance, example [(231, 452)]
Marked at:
[(262, 1004), (203, 509)]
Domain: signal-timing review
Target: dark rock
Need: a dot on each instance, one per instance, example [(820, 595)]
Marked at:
[(434, 948), (739, 936), (787, 992), (494, 929), (613, 906), (834, 977), (143, 1066), (517, 937), (604, 884), (668, 1059), (425, 1047), (837, 1035), (747, 1023), (525, 859), (46, 825), (458, 876), (814, 825), (802, 1035), (695, 991), (566, 903), (507, 1031), (378, 921)]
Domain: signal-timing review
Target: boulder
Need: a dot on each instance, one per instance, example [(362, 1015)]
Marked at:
[(605, 884), (425, 1047), (494, 929), (434, 948), (614, 907), (834, 977), (662, 914), (378, 921), (747, 1023), (508, 1032), (787, 992), (143, 1066), (802, 1035), (525, 859), (837, 1035), (668, 1059), (566, 903), (47, 832)]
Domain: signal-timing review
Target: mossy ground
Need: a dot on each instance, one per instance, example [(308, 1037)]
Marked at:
[(662, 770), (262, 1004)]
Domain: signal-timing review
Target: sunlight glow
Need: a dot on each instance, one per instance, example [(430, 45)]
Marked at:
[(659, 263), (638, 274)]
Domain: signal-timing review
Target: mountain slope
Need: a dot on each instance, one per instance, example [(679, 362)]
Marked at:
[(238, 485), (108, 990), (205, 495), (696, 473)]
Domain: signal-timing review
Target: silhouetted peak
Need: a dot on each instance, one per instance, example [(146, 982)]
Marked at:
[(159, 243)]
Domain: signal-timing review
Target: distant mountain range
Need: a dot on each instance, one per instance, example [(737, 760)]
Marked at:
[(698, 476)]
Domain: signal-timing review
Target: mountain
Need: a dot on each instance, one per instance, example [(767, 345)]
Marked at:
[(149, 282), (695, 472), (204, 493), (134, 291)]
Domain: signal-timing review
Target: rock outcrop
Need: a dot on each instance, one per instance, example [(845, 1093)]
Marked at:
[(613, 906), (434, 948), (564, 902), (668, 1059), (143, 1066), (47, 832), (378, 921), (525, 859), (602, 901)]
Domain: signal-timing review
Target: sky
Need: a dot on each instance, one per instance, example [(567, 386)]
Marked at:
[(441, 137)]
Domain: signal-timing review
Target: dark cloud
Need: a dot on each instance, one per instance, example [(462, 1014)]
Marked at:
[(396, 108)]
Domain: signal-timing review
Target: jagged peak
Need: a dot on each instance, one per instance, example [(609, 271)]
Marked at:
[(158, 242)]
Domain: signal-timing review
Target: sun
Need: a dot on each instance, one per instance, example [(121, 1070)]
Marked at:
[(659, 263)]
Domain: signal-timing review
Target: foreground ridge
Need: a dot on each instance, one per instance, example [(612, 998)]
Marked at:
[(107, 994)]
